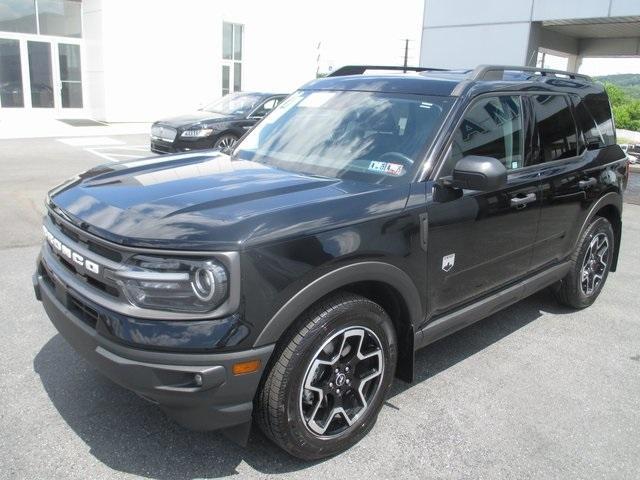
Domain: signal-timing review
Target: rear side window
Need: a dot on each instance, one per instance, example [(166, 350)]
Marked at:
[(600, 110), (586, 124), (492, 127), (556, 128)]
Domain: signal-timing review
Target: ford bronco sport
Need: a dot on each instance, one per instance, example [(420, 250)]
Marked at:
[(290, 280)]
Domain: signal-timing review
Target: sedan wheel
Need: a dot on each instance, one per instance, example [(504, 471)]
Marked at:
[(225, 142)]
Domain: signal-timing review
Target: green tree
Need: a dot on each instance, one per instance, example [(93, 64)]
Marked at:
[(626, 111)]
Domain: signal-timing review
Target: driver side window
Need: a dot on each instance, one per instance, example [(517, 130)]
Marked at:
[(492, 127), (266, 107)]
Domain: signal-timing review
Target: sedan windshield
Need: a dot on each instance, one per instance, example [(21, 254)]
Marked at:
[(234, 104), (367, 136)]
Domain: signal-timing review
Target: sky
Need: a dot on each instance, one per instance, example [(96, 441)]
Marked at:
[(609, 66), (595, 66)]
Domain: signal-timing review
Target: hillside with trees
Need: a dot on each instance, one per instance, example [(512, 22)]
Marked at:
[(624, 94)]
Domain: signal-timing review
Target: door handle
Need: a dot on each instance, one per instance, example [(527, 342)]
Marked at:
[(521, 202), (590, 182)]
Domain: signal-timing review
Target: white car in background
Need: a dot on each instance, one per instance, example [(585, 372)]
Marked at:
[(633, 159)]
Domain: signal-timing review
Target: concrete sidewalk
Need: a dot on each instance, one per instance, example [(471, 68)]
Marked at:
[(30, 127)]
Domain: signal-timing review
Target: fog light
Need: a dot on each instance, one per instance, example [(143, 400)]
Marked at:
[(242, 368), (198, 379)]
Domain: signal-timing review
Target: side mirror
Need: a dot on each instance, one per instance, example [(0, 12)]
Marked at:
[(479, 173)]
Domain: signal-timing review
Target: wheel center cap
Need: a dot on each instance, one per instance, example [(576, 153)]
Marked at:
[(340, 379)]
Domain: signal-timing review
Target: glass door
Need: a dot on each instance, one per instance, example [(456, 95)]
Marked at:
[(11, 86), (70, 75), (40, 74)]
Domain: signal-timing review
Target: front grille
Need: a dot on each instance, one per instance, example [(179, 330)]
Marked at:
[(168, 134), (86, 240), (95, 283)]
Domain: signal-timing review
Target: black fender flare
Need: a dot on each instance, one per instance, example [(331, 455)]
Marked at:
[(334, 280), (613, 198)]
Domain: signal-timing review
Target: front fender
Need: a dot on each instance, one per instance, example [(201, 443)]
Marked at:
[(334, 280)]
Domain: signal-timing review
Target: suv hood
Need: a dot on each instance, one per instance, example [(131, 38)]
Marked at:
[(202, 201), (199, 116)]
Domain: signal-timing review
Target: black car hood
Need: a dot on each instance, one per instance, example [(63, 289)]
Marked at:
[(209, 201), (199, 116)]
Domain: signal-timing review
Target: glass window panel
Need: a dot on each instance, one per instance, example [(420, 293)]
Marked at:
[(227, 40), (492, 127), (598, 105), (225, 79), (40, 74), (10, 74), (237, 76), (18, 16), (556, 127), (71, 95), (237, 42), (60, 17), (69, 56)]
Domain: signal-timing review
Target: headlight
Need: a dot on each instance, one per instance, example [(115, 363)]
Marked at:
[(177, 284), (197, 132)]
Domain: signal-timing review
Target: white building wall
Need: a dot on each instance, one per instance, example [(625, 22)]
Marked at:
[(149, 59), (468, 46)]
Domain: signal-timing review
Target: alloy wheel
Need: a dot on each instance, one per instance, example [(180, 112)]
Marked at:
[(343, 377), (594, 265), (226, 142)]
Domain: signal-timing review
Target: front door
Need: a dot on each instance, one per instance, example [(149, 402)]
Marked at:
[(480, 241), (39, 75)]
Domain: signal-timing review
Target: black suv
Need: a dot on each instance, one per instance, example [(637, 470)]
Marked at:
[(218, 125), (367, 216)]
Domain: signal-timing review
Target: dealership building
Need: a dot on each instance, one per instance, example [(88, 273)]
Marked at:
[(125, 60), (140, 60), (465, 33)]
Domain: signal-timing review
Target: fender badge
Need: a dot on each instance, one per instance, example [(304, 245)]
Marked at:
[(448, 261)]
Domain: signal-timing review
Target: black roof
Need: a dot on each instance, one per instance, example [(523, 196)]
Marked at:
[(424, 81)]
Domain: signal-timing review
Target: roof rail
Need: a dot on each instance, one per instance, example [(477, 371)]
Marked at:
[(360, 69), (496, 72)]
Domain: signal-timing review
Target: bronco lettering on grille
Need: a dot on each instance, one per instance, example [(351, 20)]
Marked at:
[(65, 251)]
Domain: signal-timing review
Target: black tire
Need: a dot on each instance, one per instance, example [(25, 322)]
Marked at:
[(226, 140), (571, 291), (279, 403)]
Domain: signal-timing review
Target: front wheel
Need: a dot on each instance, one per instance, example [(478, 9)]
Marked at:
[(225, 142), (590, 264), (327, 385)]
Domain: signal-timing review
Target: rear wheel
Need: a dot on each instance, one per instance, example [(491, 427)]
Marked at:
[(590, 265), (329, 379)]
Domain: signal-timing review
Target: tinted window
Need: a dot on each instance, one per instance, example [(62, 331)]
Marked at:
[(60, 17), (10, 74), (492, 127), (600, 110), (227, 40), (556, 128), (18, 16), (587, 128)]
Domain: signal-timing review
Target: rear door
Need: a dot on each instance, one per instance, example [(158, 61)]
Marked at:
[(574, 162), (481, 241)]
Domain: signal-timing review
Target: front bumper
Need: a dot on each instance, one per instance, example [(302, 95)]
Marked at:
[(219, 401), (179, 145)]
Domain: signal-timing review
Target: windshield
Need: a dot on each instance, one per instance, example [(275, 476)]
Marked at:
[(234, 104), (367, 136)]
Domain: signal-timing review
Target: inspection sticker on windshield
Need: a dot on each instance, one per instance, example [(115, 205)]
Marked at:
[(394, 169)]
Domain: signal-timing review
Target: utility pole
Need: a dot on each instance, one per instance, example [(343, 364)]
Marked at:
[(406, 53)]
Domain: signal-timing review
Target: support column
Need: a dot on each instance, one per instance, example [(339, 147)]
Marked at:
[(573, 65)]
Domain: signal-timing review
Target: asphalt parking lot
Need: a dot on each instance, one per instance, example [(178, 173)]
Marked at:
[(535, 391)]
